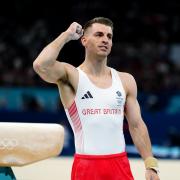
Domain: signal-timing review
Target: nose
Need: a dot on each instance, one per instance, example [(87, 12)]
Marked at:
[(105, 40)]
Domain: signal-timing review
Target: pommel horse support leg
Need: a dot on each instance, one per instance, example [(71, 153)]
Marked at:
[(6, 173), (25, 143)]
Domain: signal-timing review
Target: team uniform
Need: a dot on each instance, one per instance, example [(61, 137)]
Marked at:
[(96, 117)]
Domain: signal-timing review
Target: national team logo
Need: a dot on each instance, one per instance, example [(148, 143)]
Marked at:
[(119, 98), (118, 93)]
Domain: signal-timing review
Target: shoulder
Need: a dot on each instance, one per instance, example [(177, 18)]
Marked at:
[(71, 75), (71, 71), (69, 66), (128, 81), (126, 76)]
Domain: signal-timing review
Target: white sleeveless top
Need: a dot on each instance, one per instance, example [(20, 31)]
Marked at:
[(96, 116)]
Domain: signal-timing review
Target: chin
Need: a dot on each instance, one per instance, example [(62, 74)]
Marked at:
[(103, 54)]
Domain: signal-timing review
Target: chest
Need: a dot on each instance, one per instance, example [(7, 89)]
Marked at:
[(112, 98), (99, 92), (101, 81)]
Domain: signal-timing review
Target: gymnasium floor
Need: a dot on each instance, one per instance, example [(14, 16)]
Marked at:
[(60, 168)]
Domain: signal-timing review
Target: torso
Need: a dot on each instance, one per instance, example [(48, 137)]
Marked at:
[(68, 91), (96, 114)]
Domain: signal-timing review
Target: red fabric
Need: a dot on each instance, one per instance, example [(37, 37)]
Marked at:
[(101, 167)]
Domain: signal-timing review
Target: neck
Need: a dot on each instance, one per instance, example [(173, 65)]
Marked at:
[(94, 66)]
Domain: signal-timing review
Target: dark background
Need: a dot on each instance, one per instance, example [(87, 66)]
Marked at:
[(146, 44)]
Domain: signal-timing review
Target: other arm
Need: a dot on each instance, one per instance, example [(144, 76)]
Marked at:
[(138, 129)]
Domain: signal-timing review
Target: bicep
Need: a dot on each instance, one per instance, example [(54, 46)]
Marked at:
[(132, 111), (53, 73), (132, 108)]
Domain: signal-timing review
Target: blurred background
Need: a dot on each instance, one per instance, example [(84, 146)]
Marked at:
[(146, 44)]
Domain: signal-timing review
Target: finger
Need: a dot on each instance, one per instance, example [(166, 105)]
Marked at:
[(78, 29), (81, 33)]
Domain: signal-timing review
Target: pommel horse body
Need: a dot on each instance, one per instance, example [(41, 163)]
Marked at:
[(25, 143)]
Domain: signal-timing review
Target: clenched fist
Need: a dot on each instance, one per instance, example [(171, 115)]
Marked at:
[(75, 31)]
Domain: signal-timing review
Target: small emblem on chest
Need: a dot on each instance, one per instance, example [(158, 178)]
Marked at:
[(87, 95), (119, 98)]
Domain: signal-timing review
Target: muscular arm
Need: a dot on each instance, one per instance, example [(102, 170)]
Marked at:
[(46, 64), (138, 129)]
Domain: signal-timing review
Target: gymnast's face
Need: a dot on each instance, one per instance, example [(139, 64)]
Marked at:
[(97, 40)]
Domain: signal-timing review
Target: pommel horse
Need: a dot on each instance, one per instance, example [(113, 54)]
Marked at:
[(25, 143)]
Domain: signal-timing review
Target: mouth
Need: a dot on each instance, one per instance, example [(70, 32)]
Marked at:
[(104, 48)]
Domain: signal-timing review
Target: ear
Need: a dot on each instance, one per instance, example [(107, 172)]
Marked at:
[(83, 40)]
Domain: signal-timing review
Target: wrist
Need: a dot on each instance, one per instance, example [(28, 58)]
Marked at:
[(63, 38), (151, 163), (67, 36)]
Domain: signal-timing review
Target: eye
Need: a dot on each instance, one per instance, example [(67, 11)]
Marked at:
[(109, 36)]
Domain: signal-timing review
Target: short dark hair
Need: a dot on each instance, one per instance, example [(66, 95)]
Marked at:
[(100, 20)]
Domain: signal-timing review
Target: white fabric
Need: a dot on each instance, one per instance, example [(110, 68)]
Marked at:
[(98, 126)]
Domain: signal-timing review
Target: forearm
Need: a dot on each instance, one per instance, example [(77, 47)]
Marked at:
[(49, 54), (141, 139)]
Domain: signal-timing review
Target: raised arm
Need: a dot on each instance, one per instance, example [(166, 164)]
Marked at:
[(46, 65), (138, 129)]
